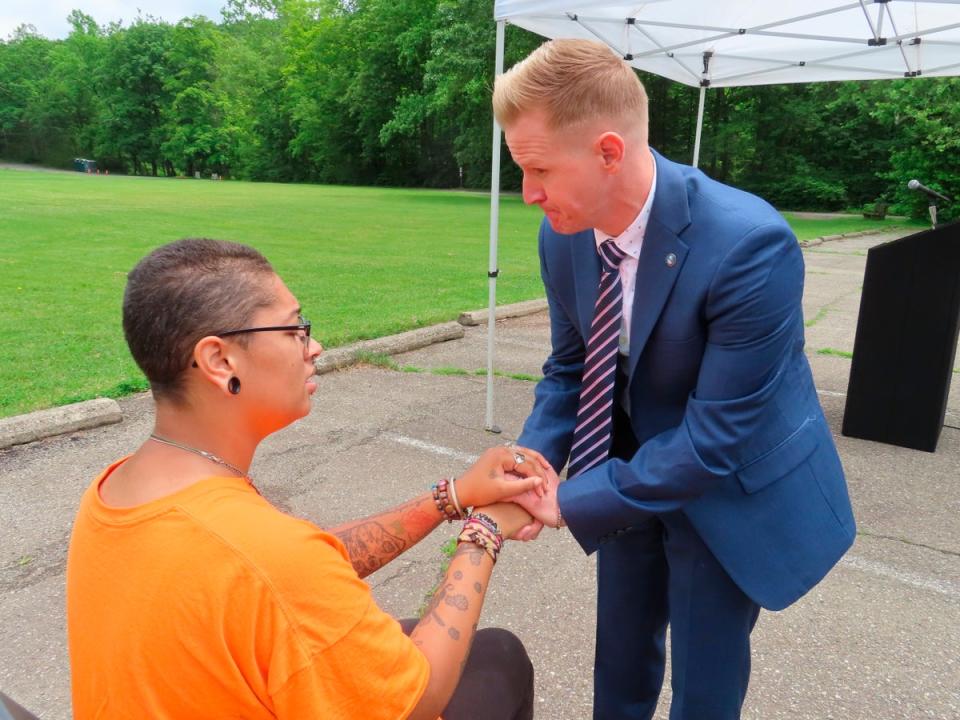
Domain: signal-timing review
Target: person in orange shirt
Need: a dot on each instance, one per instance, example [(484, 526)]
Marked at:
[(190, 596)]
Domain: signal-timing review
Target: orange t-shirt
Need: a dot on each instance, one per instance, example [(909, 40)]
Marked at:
[(211, 603)]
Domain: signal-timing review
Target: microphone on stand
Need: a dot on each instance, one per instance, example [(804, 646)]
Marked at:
[(929, 192), (932, 197)]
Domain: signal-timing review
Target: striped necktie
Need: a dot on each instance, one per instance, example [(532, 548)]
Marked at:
[(593, 433)]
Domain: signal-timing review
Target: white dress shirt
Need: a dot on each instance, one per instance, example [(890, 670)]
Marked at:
[(630, 241)]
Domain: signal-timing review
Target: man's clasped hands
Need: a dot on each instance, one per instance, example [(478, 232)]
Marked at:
[(539, 502)]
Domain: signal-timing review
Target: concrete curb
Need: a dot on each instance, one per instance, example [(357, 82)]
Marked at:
[(528, 307), (829, 238), (21, 429), (391, 345)]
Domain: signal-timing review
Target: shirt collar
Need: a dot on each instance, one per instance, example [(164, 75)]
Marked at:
[(631, 239)]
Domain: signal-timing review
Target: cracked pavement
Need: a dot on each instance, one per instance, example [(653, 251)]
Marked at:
[(878, 638)]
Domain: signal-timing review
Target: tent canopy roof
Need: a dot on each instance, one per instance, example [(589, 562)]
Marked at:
[(759, 43)]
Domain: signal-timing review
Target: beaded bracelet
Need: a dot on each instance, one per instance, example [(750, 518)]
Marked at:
[(441, 498), (486, 521)]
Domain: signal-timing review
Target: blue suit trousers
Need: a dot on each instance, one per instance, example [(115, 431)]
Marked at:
[(660, 573), (657, 573)]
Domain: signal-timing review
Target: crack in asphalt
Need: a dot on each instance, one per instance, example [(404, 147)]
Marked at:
[(405, 570), (35, 567), (905, 541)]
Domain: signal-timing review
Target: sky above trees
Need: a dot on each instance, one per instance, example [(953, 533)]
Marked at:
[(49, 17)]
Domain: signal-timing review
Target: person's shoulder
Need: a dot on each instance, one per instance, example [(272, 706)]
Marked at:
[(707, 196), (298, 565), (251, 527), (727, 207), (718, 222)]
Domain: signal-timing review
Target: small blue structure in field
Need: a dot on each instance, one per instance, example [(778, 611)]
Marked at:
[(82, 165)]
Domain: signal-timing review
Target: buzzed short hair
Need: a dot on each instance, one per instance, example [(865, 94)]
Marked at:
[(184, 291), (573, 81)]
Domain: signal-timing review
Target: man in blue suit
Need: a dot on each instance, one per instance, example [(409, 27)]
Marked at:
[(718, 489)]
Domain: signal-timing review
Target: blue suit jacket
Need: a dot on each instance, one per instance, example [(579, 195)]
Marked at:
[(721, 395)]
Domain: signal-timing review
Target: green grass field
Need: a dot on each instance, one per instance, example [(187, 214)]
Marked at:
[(807, 228), (364, 262)]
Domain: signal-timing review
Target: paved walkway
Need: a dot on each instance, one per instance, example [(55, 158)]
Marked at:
[(878, 638)]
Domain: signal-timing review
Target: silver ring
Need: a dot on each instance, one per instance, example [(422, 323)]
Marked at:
[(518, 458)]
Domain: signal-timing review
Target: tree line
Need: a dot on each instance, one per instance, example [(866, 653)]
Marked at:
[(397, 92)]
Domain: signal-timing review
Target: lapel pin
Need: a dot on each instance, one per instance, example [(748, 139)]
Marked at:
[(670, 259)]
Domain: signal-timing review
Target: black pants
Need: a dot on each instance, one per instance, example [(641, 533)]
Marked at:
[(497, 683)]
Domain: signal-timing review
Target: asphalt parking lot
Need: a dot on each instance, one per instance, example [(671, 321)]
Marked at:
[(879, 638)]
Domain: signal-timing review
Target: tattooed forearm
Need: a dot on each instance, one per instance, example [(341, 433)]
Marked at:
[(473, 552), (376, 540), (370, 546), (458, 601), (473, 634), (445, 595), (414, 519), (445, 633), (431, 613)]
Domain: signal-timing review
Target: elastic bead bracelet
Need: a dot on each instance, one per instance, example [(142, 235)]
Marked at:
[(441, 498)]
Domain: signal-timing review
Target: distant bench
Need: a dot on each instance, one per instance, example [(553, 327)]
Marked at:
[(876, 211)]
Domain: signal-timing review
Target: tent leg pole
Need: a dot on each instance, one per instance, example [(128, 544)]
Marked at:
[(494, 236), (696, 142)]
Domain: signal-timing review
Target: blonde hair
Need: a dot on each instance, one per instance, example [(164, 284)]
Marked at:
[(572, 81)]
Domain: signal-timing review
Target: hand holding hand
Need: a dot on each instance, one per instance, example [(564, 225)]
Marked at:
[(510, 518), (543, 506), (486, 481), (528, 532)]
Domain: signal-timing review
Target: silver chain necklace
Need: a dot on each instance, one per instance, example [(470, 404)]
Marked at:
[(203, 453)]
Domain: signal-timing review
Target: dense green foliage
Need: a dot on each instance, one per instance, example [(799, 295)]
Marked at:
[(396, 92)]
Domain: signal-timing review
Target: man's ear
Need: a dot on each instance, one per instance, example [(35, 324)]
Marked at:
[(610, 147), (212, 357)]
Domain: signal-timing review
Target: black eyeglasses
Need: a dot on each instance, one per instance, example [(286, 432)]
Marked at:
[(302, 329)]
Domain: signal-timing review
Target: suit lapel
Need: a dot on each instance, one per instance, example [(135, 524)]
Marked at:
[(662, 256)]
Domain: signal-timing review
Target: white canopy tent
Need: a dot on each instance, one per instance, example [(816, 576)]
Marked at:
[(729, 43)]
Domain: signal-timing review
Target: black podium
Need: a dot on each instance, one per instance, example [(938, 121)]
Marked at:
[(906, 340)]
